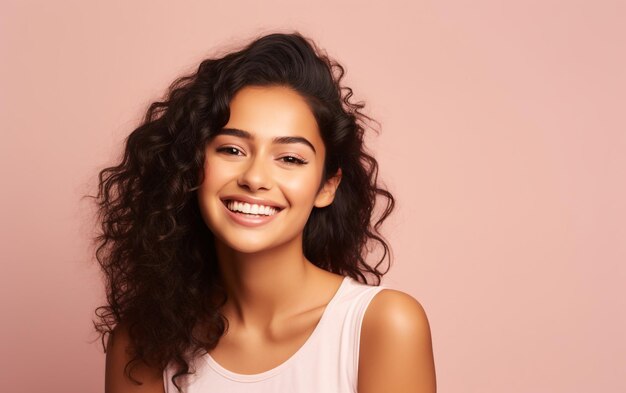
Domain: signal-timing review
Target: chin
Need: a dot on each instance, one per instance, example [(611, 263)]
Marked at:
[(244, 245)]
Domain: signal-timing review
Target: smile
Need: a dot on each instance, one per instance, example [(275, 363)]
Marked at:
[(250, 208), (249, 215)]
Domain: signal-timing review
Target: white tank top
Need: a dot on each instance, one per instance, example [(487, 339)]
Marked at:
[(326, 363)]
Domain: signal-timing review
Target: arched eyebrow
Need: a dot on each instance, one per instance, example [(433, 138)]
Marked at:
[(279, 139)]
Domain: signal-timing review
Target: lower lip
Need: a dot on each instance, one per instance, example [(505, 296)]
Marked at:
[(249, 220)]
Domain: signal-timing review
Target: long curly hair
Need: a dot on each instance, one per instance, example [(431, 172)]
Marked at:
[(156, 252)]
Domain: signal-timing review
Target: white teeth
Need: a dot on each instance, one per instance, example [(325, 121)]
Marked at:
[(251, 209)]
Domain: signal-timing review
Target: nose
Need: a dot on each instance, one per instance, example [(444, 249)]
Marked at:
[(256, 174)]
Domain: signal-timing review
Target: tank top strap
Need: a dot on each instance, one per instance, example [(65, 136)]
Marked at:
[(346, 321)]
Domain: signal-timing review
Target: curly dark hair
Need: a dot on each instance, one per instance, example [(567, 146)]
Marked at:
[(156, 252)]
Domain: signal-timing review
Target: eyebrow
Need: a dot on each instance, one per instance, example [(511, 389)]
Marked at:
[(279, 139)]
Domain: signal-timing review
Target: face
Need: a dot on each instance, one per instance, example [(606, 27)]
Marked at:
[(269, 152)]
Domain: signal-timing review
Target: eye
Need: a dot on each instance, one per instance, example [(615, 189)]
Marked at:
[(229, 149), (293, 160)]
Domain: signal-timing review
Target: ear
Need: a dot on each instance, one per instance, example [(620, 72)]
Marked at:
[(327, 194)]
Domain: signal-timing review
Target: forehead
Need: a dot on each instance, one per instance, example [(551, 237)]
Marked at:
[(270, 111)]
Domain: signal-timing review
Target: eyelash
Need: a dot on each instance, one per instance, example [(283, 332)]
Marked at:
[(298, 161)]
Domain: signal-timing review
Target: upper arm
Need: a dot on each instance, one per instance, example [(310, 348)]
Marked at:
[(396, 352), (115, 381)]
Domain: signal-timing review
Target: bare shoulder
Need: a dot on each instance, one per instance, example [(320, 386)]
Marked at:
[(117, 357), (396, 352)]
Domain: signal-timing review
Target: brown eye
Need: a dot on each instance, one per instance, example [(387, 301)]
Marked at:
[(229, 149), (293, 160)]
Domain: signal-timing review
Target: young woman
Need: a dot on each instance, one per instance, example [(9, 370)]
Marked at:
[(234, 236)]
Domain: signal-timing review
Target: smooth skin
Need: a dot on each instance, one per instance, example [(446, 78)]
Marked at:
[(277, 296)]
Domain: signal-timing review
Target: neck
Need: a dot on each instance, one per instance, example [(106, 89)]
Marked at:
[(265, 286)]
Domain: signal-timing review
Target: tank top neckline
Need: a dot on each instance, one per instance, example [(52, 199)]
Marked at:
[(274, 371)]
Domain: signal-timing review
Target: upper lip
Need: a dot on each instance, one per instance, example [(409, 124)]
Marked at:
[(252, 200)]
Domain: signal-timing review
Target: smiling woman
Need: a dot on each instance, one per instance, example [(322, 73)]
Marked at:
[(235, 233)]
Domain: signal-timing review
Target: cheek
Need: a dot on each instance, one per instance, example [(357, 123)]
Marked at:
[(214, 180), (214, 174), (301, 187)]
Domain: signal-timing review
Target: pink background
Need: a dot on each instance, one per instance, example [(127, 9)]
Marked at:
[(502, 140)]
